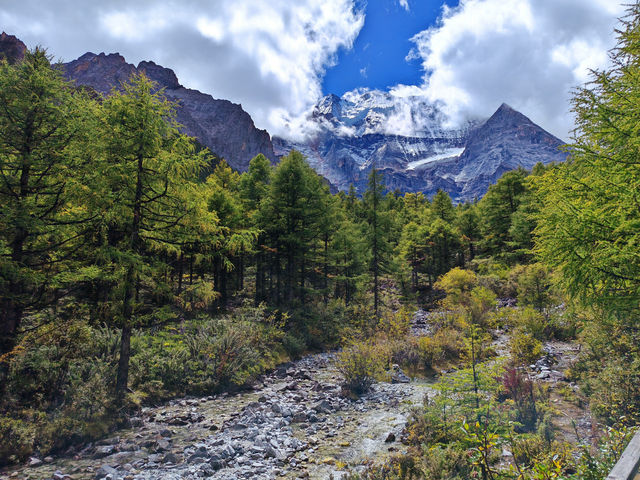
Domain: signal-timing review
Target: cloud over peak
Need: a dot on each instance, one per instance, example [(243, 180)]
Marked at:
[(528, 53), (269, 56)]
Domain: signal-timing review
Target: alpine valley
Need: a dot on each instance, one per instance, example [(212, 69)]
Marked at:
[(405, 137)]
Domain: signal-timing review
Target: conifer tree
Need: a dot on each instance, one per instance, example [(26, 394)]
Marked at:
[(148, 166), (377, 235), (589, 221), (42, 127)]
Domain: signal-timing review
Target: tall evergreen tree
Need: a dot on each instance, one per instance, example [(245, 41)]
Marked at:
[(378, 222), (497, 208), (148, 165), (291, 215), (42, 125), (590, 218)]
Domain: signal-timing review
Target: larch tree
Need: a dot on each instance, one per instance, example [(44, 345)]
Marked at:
[(378, 222), (589, 224), (43, 122), (148, 165)]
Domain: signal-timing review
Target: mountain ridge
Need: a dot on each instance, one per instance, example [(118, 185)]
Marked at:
[(406, 137), (221, 125)]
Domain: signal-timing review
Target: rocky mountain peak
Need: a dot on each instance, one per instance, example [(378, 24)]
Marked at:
[(11, 48), (165, 77), (224, 127), (329, 107), (506, 116), (101, 72)]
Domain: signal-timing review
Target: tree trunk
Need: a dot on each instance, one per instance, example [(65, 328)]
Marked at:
[(130, 291), (123, 363), (326, 268), (11, 314), (180, 272)]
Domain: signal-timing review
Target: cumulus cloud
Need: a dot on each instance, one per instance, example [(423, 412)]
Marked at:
[(268, 56), (527, 53)]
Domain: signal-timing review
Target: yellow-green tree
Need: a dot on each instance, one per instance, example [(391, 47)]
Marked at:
[(43, 162), (589, 223), (149, 166)]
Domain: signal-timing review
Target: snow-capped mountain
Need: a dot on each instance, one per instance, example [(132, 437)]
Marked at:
[(409, 140)]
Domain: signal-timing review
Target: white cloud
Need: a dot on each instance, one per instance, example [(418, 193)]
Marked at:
[(404, 4), (268, 56), (527, 53)]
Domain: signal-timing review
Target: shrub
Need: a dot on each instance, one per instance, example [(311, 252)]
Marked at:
[(294, 346), (524, 347), (362, 364), (448, 462), (395, 325), (520, 390), (405, 352), (533, 323), (17, 438), (430, 352)]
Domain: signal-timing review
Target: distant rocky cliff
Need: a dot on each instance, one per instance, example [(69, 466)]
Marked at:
[(11, 48), (222, 126)]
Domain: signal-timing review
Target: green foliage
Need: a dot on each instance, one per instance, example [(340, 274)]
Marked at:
[(596, 465), (497, 209), (43, 163), (588, 223), (18, 437), (362, 364), (524, 347), (534, 286)]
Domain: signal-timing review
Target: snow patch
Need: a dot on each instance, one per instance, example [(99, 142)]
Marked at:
[(449, 153)]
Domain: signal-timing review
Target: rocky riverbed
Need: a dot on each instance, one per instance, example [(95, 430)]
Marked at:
[(295, 423)]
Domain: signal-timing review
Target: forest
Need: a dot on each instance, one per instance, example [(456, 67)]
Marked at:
[(137, 267)]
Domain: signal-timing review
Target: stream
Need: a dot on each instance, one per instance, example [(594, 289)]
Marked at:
[(294, 424)]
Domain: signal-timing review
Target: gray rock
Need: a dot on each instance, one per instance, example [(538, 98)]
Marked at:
[(227, 452), (171, 458), (104, 451), (34, 462), (104, 471)]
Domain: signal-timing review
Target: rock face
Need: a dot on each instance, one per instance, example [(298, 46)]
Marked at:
[(222, 126), (506, 141), (408, 140), (11, 48)]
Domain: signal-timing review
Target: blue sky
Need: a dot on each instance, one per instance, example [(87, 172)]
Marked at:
[(377, 59), (278, 57)]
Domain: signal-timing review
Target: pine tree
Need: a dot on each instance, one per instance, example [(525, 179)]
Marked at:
[(148, 167), (377, 235), (42, 127)]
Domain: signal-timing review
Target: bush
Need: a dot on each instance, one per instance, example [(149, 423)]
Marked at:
[(17, 438), (533, 323), (524, 347), (520, 390), (362, 364), (447, 462), (404, 352), (293, 345), (430, 352)]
